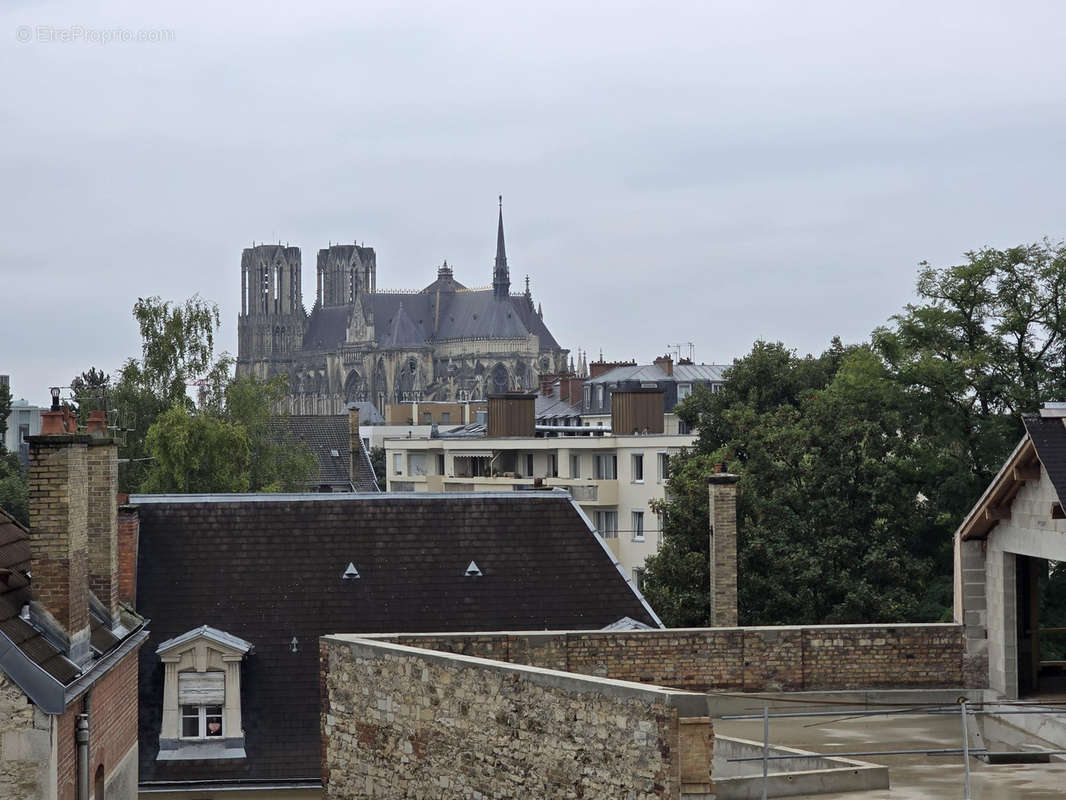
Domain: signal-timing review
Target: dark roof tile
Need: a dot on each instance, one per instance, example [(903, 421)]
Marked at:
[(269, 570)]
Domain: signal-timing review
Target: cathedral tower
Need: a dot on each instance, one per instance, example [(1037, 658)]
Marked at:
[(272, 320)]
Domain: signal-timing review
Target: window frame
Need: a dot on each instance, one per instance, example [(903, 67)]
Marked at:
[(636, 528), (636, 464)]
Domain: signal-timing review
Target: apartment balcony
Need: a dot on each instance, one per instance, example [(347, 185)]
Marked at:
[(585, 491)]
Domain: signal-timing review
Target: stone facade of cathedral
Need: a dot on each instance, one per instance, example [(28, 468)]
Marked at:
[(443, 342)]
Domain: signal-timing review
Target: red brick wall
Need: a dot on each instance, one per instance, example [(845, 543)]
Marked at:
[(734, 659), (112, 725), (129, 526)]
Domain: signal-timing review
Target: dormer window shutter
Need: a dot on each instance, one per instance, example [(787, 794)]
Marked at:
[(202, 688)]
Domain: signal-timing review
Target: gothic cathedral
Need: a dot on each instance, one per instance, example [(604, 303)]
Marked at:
[(443, 342)]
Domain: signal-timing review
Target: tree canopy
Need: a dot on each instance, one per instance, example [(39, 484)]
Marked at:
[(857, 465)]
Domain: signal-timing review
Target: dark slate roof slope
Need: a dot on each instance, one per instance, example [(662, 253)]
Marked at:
[(327, 328), (479, 315), (1048, 435), (269, 569), (326, 435)]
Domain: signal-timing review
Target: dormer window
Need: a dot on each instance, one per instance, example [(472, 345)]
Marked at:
[(202, 695)]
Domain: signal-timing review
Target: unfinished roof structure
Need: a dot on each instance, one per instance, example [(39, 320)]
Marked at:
[(279, 571), (1002, 552)]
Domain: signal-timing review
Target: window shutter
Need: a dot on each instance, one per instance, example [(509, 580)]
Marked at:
[(201, 688)]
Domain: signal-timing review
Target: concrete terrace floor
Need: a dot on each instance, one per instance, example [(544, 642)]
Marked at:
[(911, 776)]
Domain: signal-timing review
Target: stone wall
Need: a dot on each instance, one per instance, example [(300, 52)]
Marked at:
[(404, 722), (733, 659), (25, 746)]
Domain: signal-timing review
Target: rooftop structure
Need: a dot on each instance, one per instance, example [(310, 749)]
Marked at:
[(278, 571)]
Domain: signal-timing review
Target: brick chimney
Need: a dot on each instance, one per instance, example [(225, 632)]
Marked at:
[(547, 383), (666, 364), (722, 488), (102, 463), (129, 537), (355, 444), (597, 368), (59, 509)]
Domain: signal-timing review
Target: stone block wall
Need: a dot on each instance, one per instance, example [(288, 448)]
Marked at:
[(402, 722), (735, 659), (26, 768)]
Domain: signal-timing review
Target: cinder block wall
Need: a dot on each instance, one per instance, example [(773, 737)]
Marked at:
[(735, 659), (400, 722)]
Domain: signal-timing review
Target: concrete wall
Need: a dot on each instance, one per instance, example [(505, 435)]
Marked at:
[(404, 722), (733, 659), (27, 763), (985, 571)]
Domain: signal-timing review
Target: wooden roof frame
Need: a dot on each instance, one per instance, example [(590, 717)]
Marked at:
[(995, 504)]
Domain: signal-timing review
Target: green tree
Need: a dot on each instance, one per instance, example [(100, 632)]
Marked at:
[(14, 487), (830, 495), (197, 453), (278, 462), (377, 461)]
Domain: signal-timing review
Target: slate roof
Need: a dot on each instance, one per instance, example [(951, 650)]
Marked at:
[(268, 568), (683, 373), (407, 319), (16, 590), (1048, 435), (327, 434)]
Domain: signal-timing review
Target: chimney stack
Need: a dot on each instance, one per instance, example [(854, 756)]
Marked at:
[(59, 510), (355, 444), (666, 364), (512, 414), (102, 486), (722, 487)]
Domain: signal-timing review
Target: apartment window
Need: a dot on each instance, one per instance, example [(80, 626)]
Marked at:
[(588, 397), (607, 524), (683, 391), (416, 464), (599, 396), (575, 466), (397, 463), (683, 427), (605, 467), (638, 467), (664, 466), (638, 578), (440, 463), (201, 695), (427, 418), (660, 517), (553, 466), (529, 464), (638, 526), (445, 417), (716, 388)]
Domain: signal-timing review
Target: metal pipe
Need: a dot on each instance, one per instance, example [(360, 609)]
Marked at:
[(924, 710), (765, 749), (81, 738), (949, 751), (965, 748)]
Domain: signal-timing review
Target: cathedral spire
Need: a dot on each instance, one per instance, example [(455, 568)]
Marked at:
[(501, 276)]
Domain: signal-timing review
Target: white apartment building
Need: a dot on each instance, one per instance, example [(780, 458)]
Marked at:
[(613, 478)]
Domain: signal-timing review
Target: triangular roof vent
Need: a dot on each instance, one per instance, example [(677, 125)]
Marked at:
[(351, 572), (472, 570)]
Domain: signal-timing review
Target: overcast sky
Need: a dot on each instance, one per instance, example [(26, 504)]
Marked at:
[(708, 172)]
